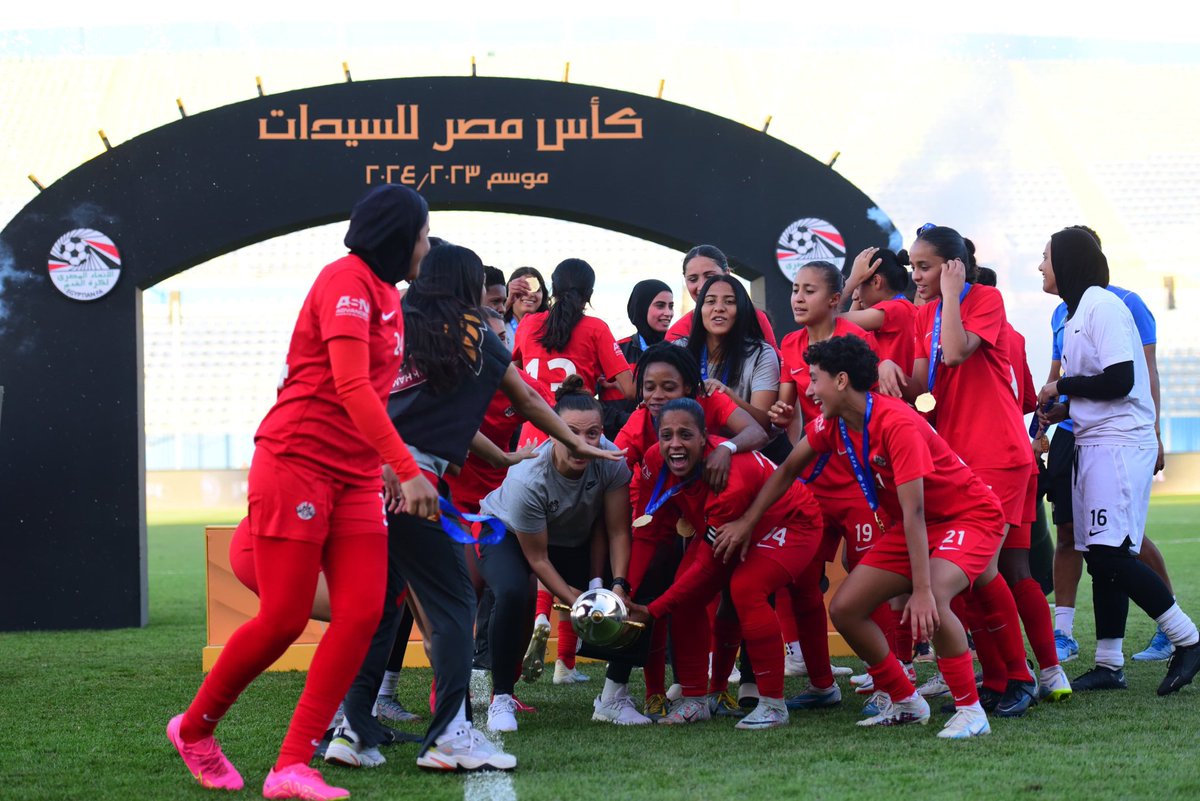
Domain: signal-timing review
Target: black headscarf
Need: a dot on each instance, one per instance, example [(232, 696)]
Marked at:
[(643, 294), (384, 228), (1078, 265)]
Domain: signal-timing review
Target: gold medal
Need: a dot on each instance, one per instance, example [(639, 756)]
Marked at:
[(926, 403), (684, 528), (644, 520), (534, 284)]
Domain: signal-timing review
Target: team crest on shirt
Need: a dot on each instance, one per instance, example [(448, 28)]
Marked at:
[(878, 461), (510, 412), (305, 510), (806, 240)]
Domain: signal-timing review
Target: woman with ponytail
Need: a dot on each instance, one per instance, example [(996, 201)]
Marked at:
[(879, 284), (565, 341)]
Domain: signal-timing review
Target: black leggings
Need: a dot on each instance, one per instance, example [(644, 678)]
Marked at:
[(511, 581), (1117, 576)]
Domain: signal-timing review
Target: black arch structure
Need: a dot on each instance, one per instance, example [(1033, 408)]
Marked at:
[(72, 515)]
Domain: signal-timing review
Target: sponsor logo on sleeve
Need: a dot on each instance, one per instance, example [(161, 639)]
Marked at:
[(353, 307)]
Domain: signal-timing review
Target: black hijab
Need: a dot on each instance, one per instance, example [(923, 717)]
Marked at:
[(384, 228), (643, 294), (1078, 265)]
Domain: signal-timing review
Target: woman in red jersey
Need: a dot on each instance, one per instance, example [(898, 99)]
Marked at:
[(963, 375), (950, 532), (700, 264), (564, 341), (816, 297), (784, 542), (314, 495), (883, 308), (666, 373)]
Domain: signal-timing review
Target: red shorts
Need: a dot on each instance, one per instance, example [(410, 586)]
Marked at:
[(294, 501), (1009, 485), (969, 543), (792, 548), (851, 519), (1019, 536)]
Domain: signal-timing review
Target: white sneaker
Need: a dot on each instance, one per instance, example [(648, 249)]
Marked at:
[(793, 661), (770, 713), (465, 747), (935, 687), (838, 670), (687, 710), (344, 749), (619, 710), (502, 714), (861, 678), (674, 692), (911, 710), (566, 675), (864, 687), (1054, 684), (735, 675), (967, 721), (910, 670)]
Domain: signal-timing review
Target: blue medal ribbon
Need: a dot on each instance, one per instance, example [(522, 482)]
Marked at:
[(822, 460), (457, 525), (704, 367), (658, 497), (862, 470), (935, 345)]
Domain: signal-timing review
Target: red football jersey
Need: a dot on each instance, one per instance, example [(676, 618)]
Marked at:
[(308, 420), (1026, 391), (894, 339), (683, 327), (797, 510), (501, 420), (590, 353), (835, 481), (638, 436), (904, 448), (977, 410)]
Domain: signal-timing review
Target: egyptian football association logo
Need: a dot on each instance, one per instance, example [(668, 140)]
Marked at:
[(807, 240), (84, 264)]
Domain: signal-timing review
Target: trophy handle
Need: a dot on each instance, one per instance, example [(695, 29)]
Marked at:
[(562, 607), (635, 624)]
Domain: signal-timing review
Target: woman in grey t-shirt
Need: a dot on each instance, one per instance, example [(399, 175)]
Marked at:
[(551, 504), (728, 343)]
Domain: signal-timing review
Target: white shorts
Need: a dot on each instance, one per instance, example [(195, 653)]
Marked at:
[(1111, 493)]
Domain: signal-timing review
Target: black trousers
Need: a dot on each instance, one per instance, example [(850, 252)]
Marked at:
[(511, 582), (434, 568)]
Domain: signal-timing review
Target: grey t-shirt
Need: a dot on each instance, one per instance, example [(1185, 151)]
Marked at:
[(760, 370), (535, 496)]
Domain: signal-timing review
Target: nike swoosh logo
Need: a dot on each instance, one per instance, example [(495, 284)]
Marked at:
[(861, 548), (210, 720), (958, 700), (388, 316), (1094, 533)]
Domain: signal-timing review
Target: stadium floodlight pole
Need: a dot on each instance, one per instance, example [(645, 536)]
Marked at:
[(661, 83), (767, 124), (833, 159), (567, 73), (473, 75), (36, 182), (104, 139), (182, 110), (346, 71), (258, 82)]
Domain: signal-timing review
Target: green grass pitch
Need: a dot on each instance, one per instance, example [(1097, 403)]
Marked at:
[(82, 716)]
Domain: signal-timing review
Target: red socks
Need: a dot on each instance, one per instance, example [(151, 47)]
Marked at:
[(959, 675), (1035, 616), (890, 677), (1000, 614)]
